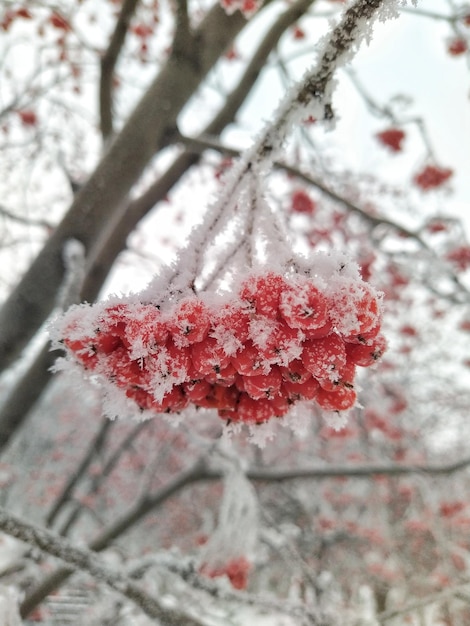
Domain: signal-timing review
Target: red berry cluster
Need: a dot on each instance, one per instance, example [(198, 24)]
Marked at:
[(236, 570), (281, 340), (392, 138), (457, 46), (431, 177)]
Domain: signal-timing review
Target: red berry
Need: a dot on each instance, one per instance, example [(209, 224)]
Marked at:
[(190, 322), (237, 571), (248, 7), (355, 309), (106, 343), (24, 13), (146, 330), (173, 402), (248, 362), (324, 357), (306, 390), (254, 411), (295, 372), (366, 355), (231, 328), (346, 376), (225, 377), (265, 385), (83, 350), (460, 257), (304, 306), (280, 345), (298, 33), (196, 391), (341, 399), (141, 397), (223, 398), (59, 22), (209, 356), (262, 293), (142, 30)]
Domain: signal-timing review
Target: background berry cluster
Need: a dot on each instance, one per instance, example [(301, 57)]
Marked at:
[(279, 340)]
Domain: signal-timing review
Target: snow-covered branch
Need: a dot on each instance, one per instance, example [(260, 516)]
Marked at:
[(87, 561)]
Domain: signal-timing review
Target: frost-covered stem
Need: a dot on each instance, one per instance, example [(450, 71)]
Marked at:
[(84, 560), (314, 87), (203, 142), (221, 267)]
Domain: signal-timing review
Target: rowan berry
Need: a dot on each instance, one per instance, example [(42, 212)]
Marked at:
[(209, 356), (262, 293), (190, 322), (341, 399), (304, 306), (249, 362), (324, 357), (364, 354), (264, 385)]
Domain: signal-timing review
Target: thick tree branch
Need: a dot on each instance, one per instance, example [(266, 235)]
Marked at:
[(108, 63), (86, 561), (147, 130)]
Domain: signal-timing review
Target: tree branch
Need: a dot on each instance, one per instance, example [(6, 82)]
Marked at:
[(195, 473), (199, 472), (95, 445), (108, 63), (87, 561)]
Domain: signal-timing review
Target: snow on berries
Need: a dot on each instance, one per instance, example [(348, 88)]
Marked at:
[(276, 340)]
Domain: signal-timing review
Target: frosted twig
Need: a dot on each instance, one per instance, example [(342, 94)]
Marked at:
[(313, 91), (85, 560)]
